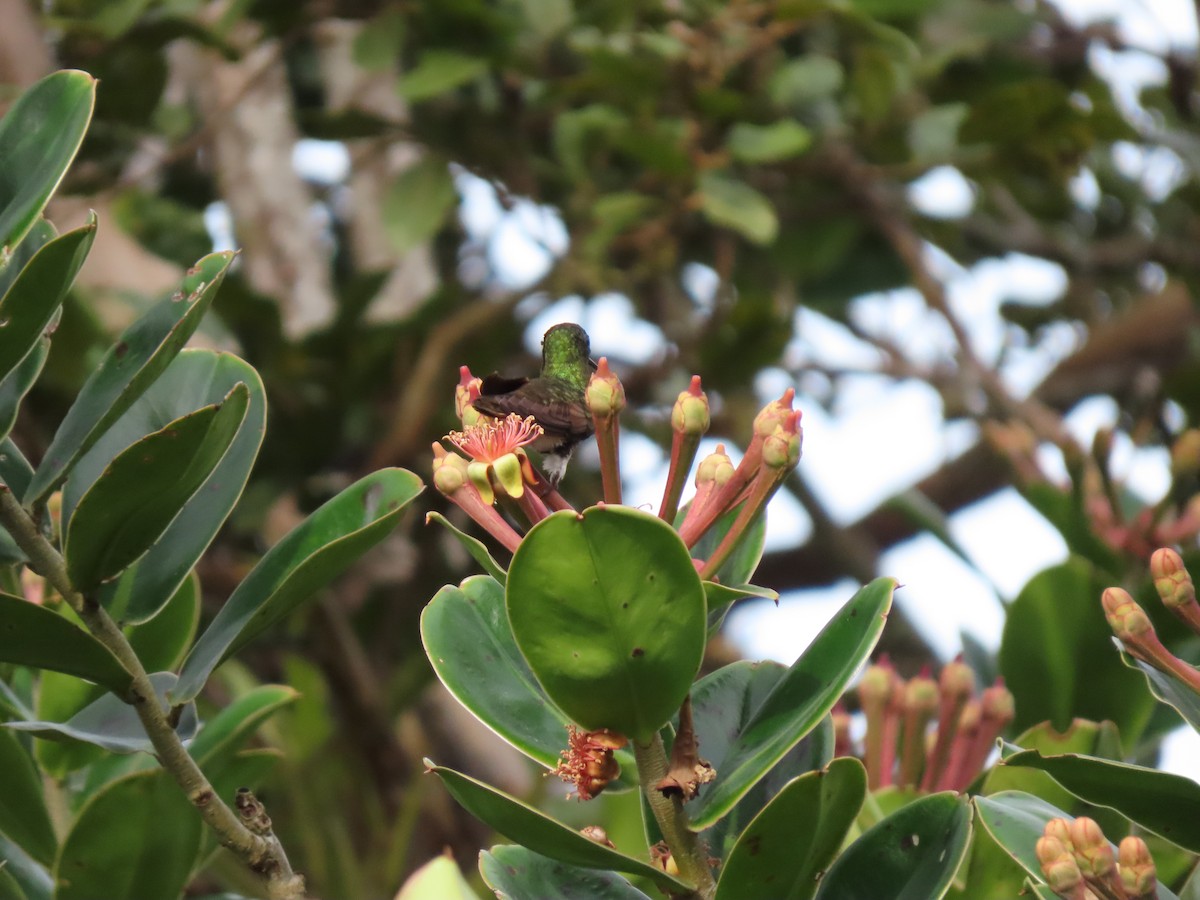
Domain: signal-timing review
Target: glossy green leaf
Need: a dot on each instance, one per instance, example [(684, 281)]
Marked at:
[(788, 847), (1168, 689), (800, 699), (439, 71), (32, 635), (768, 143), (10, 888), (913, 854), (1016, 820), (723, 704), (24, 818), (1161, 802), (417, 203), (472, 650), (15, 470), (35, 239), (39, 136), (540, 833), (141, 354), (236, 722), (720, 596), (143, 489), (515, 872), (475, 547), (1057, 658), (609, 612), (312, 554), (137, 838), (59, 698), (113, 724), (438, 879), (36, 294), (33, 879), (735, 205), (17, 383), (196, 378)]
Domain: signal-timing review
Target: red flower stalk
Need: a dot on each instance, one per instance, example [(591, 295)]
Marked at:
[(842, 745), (451, 478), (588, 761), (956, 686), (605, 400), (874, 694), (996, 708), (920, 706), (1132, 627), (689, 422)]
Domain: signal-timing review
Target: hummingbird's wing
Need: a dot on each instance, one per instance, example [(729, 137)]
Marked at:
[(495, 384), (559, 414)]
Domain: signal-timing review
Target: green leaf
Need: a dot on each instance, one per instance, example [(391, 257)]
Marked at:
[(513, 871), (144, 350), (1056, 655), (235, 723), (470, 645), (195, 378), (112, 723), (911, 855), (312, 554), (417, 202), (740, 566), (796, 84), (788, 847), (34, 881), (1016, 820), (438, 879), (37, 293), (476, 548), (23, 815), (439, 71), (137, 838), (1161, 802), (161, 642), (145, 487), (540, 833), (1169, 690), (799, 701), (17, 383), (12, 264), (39, 136), (735, 205), (32, 635), (608, 611), (720, 596), (723, 704), (758, 144)]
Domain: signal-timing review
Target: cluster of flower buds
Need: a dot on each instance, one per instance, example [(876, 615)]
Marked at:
[(1133, 628), (588, 761), (1079, 864), (900, 749), (499, 469)]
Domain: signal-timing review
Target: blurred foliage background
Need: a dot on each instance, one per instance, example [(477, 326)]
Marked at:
[(718, 164)]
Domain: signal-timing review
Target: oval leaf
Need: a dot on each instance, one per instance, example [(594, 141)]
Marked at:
[(137, 838), (609, 612), (23, 815), (39, 136), (127, 370), (540, 833), (768, 143), (112, 723), (786, 850), (799, 701), (144, 488), (911, 855), (735, 205), (17, 383), (513, 871), (37, 292), (475, 547), (225, 732), (32, 635), (196, 378), (468, 641), (1161, 802), (312, 554)]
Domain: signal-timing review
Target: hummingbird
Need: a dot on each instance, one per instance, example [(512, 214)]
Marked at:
[(555, 398)]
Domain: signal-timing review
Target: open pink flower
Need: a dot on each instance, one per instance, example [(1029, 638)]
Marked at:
[(494, 446)]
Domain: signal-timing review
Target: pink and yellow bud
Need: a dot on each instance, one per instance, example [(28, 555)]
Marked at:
[(1127, 620), (956, 679), (466, 392), (449, 470), (1171, 579), (921, 695), (999, 705), (1058, 865), (605, 393), (690, 415), (1092, 850), (774, 414), (715, 469), (1139, 876), (781, 448)]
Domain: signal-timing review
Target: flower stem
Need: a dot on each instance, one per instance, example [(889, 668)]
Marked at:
[(256, 850), (672, 819)]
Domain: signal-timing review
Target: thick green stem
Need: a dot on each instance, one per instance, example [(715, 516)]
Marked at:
[(258, 852), (672, 819)]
